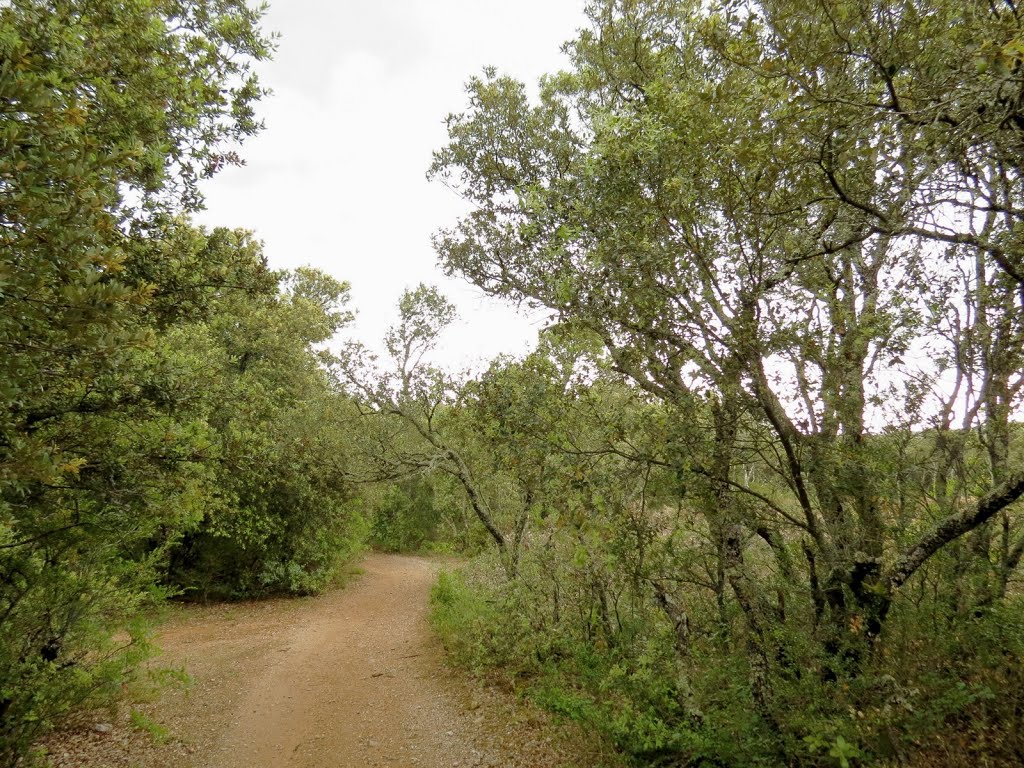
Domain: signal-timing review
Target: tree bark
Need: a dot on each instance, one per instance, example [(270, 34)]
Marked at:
[(952, 528)]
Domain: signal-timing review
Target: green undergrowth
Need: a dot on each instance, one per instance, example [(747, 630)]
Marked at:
[(632, 701), (925, 701)]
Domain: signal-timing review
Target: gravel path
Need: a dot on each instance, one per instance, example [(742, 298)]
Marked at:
[(348, 679)]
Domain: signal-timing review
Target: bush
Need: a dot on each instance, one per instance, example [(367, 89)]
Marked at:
[(945, 694), (406, 518), (464, 618), (66, 644)]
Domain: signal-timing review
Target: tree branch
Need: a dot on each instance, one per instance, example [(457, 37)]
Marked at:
[(952, 528)]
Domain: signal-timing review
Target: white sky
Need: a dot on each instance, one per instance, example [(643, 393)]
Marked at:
[(337, 179)]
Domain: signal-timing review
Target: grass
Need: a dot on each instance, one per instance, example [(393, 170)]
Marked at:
[(158, 733)]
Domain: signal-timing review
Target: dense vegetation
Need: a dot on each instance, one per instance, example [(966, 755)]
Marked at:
[(779, 523), (164, 409), (752, 500)]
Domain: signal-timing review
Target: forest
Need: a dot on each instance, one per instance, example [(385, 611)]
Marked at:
[(753, 499)]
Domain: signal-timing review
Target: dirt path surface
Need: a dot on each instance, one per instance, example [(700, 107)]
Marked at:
[(348, 679), (353, 684)]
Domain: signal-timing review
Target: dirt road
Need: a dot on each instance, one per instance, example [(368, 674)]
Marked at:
[(348, 679), (354, 683)]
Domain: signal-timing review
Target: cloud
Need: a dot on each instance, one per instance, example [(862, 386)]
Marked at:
[(337, 180)]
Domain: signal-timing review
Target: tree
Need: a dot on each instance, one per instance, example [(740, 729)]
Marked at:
[(732, 198), (417, 395), (111, 114), (940, 80), (279, 514)]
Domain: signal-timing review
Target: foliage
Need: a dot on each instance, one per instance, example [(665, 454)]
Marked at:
[(752, 500), (663, 707), (111, 113), (158, 733), (283, 513), (157, 381), (792, 226), (407, 517), (413, 407)]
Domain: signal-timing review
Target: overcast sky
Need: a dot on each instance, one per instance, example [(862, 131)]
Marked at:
[(337, 179)]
